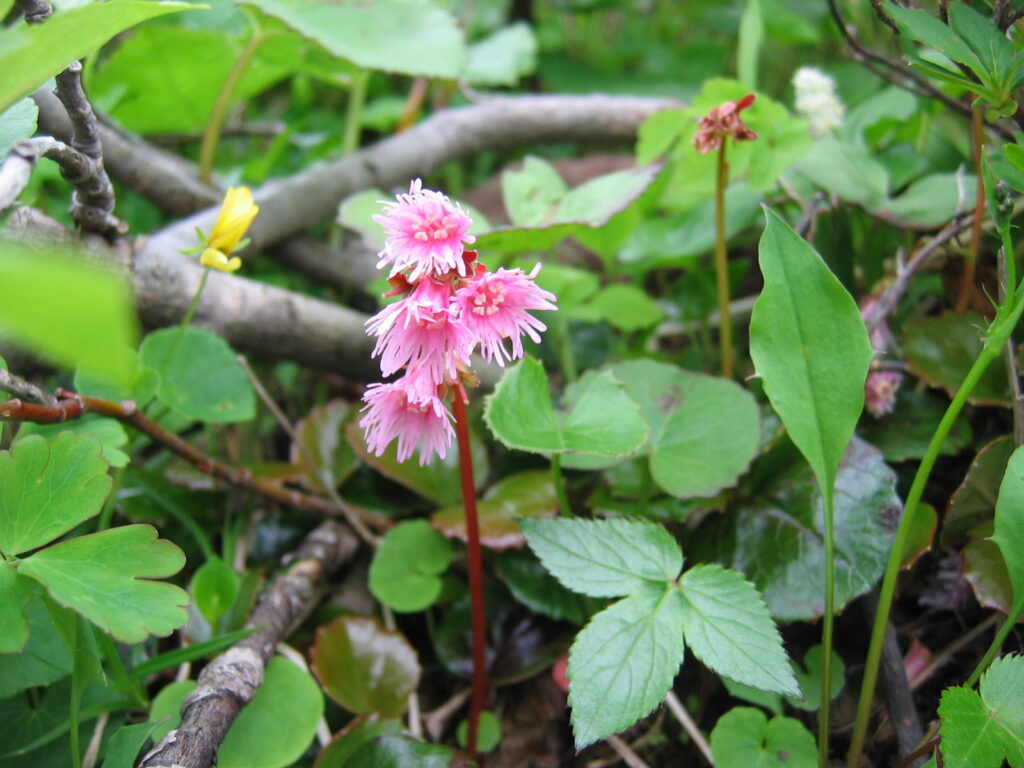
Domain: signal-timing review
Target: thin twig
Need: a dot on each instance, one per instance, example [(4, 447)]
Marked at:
[(942, 658), (92, 205), (18, 386), (629, 757), (675, 706), (319, 467), (71, 406), (888, 300), (1012, 371)]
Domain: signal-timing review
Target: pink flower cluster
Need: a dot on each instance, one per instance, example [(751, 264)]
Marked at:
[(450, 304), (881, 386), (722, 122)]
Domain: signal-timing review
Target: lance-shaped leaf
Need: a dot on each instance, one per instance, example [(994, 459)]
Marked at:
[(622, 663), (605, 558), (810, 347), (1009, 533), (46, 489), (105, 577), (602, 420), (727, 626)]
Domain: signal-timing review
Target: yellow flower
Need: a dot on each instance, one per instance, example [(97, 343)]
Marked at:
[(236, 214), (213, 258)]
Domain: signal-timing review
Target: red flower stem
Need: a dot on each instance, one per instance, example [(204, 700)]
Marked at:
[(476, 571)]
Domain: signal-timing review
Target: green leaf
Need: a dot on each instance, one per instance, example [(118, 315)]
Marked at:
[(627, 307), (277, 726), (109, 432), (975, 498), (185, 654), (1009, 528), (776, 536), (727, 626), (622, 663), (930, 201), (68, 311), (400, 751), (523, 495), (406, 570), (744, 738), (993, 49), (532, 193), (321, 435), (810, 347), (941, 349), (658, 133), (488, 735), (707, 441), (750, 36), (104, 576), (15, 592), (982, 730), (602, 420), (165, 709), (532, 585), (847, 171), (905, 433), (605, 558), (46, 489), (44, 660), (166, 79), (809, 679), (589, 206), (400, 36), (214, 587), (352, 738), (923, 27), (140, 385), (17, 122), (126, 743), (32, 54), (367, 669), (202, 379), (503, 58)]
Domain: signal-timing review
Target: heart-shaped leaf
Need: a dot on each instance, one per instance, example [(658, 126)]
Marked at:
[(406, 570), (367, 669), (744, 738), (526, 494), (46, 489), (201, 378), (603, 419), (105, 577)]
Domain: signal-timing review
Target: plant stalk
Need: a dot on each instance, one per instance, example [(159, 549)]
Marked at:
[(354, 115), (828, 626), (214, 126), (997, 642), (722, 263), (476, 571), (885, 597), (559, 481)]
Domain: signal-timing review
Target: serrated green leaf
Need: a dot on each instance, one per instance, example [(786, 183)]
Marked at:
[(728, 627), (401, 36), (981, 730), (744, 738), (993, 49), (15, 592), (622, 663), (105, 577), (602, 419), (922, 26), (406, 570), (605, 558), (32, 54), (201, 378), (1009, 528), (60, 306), (46, 489), (809, 345)]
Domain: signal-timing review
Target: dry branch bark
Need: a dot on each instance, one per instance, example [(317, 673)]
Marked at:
[(230, 681)]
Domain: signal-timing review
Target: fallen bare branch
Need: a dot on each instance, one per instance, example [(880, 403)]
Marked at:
[(230, 681)]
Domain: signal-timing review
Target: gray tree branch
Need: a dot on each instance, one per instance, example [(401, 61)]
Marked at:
[(230, 680)]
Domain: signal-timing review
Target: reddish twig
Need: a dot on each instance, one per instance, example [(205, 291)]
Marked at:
[(476, 571), (70, 406), (971, 262)]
